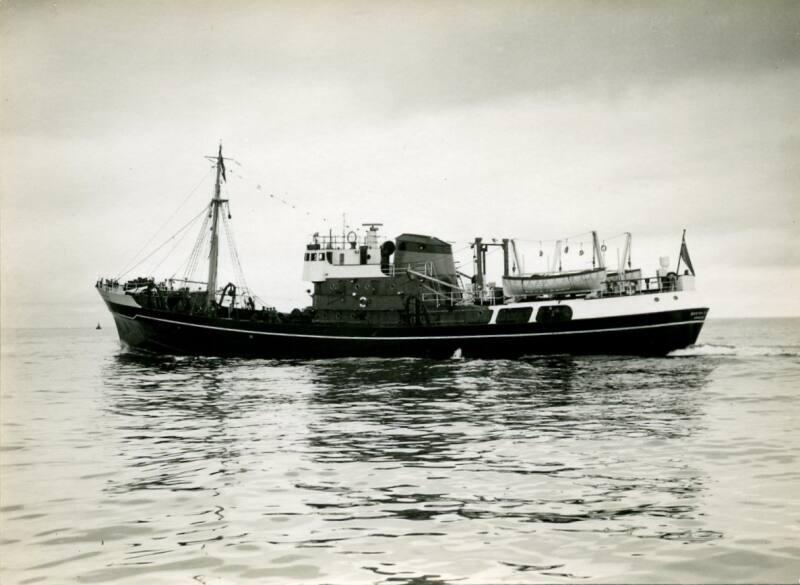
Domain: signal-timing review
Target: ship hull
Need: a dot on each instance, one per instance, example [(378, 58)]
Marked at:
[(651, 333)]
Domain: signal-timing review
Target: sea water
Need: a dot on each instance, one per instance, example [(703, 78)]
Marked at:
[(117, 468)]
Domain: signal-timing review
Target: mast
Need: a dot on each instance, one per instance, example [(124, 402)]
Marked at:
[(480, 267), (213, 254)]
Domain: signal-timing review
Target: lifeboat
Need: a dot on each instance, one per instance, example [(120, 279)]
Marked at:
[(549, 283)]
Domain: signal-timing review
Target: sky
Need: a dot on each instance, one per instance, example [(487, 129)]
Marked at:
[(532, 120)]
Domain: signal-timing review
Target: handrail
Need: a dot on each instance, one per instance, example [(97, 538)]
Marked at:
[(432, 279), (140, 282), (642, 285), (460, 297), (336, 242), (426, 267)]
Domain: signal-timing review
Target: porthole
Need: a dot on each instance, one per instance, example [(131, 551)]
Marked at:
[(656, 299)]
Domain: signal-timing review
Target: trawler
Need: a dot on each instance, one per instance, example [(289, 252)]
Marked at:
[(404, 297)]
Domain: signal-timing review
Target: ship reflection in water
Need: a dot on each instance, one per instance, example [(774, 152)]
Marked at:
[(360, 470)]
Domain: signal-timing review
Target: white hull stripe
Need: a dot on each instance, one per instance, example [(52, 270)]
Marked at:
[(414, 338)]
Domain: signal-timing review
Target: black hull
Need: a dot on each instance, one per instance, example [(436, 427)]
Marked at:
[(170, 333)]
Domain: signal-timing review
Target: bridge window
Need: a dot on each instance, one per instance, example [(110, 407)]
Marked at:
[(520, 315)]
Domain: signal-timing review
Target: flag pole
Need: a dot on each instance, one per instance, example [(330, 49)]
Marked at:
[(680, 253)]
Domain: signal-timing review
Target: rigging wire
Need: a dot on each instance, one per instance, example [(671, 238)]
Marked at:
[(172, 237), (169, 253), (554, 240), (161, 227), (574, 237), (302, 209), (197, 249), (234, 252), (306, 210)]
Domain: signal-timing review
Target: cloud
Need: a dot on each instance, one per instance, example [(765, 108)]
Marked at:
[(89, 67)]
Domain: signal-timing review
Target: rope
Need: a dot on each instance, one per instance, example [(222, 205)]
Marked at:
[(285, 202), (554, 240), (194, 256), (234, 254), (128, 268), (151, 254), (169, 253)]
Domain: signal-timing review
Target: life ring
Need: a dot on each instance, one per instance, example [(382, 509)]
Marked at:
[(352, 237), (363, 302)]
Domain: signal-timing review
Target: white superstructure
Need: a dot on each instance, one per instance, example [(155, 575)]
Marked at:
[(346, 256)]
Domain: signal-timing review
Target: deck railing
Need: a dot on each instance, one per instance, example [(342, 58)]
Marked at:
[(651, 285), (340, 242), (169, 284), (449, 298), (425, 268)]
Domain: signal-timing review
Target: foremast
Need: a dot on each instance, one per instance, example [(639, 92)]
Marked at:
[(213, 255)]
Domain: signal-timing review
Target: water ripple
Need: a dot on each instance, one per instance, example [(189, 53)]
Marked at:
[(549, 468)]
